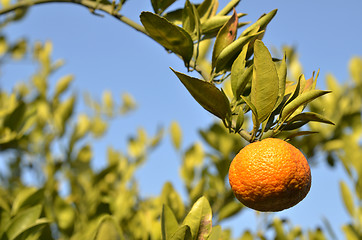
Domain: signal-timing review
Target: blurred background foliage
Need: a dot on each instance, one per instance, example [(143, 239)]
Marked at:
[(43, 135)]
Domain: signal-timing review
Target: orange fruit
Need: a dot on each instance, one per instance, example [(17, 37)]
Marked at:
[(270, 175)]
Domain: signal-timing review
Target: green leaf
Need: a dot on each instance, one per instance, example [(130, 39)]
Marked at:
[(216, 233), (62, 85), (207, 95), (27, 197), (282, 76), (229, 210), (169, 223), (252, 108), (310, 116), (212, 26), (261, 23), (108, 229), (225, 37), (301, 100), (191, 20), (107, 103), (13, 121), (159, 6), (168, 35), (32, 230), (23, 221), (231, 52), (239, 120), (279, 230), (199, 219), (355, 69), (182, 233), (65, 214), (172, 199), (207, 9), (232, 4), (128, 103), (351, 232), (176, 134), (174, 16), (293, 125), (247, 236), (264, 87), (347, 198), (63, 113), (98, 126), (300, 133), (197, 190), (240, 76)]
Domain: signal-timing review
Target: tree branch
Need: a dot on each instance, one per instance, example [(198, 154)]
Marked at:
[(92, 5)]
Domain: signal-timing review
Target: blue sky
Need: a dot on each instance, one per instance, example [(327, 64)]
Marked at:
[(105, 54)]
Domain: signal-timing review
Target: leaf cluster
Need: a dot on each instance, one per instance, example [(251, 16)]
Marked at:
[(258, 84)]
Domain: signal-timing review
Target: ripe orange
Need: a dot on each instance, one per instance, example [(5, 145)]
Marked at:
[(270, 175)]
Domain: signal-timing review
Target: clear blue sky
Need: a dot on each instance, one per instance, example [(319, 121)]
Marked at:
[(105, 54)]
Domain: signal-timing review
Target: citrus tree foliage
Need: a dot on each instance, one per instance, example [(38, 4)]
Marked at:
[(258, 99)]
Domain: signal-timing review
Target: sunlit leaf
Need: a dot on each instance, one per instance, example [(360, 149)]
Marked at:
[(310, 116), (128, 103), (108, 103), (347, 198), (264, 87), (63, 113), (207, 95), (159, 6), (65, 214), (168, 35), (85, 154), (279, 230), (62, 85), (206, 9), (176, 134), (182, 233), (239, 120), (27, 197), (216, 233), (228, 8), (169, 223), (191, 20), (282, 76), (108, 229), (211, 26), (355, 69), (300, 133), (247, 235), (19, 49), (98, 127), (174, 16), (253, 109), (172, 199), (225, 37), (240, 75), (261, 23), (199, 219), (33, 230), (302, 99), (350, 232), (14, 120), (229, 210), (231, 52), (22, 221), (3, 44)]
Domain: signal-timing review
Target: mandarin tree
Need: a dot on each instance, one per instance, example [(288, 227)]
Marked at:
[(259, 108)]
